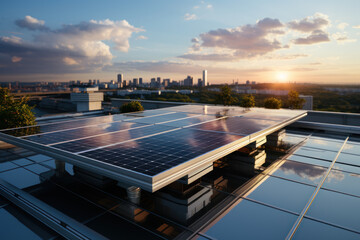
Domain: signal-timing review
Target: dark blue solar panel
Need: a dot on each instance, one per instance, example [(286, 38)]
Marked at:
[(236, 125), (64, 125), (158, 153), (162, 118), (111, 138), (191, 121), (67, 135)]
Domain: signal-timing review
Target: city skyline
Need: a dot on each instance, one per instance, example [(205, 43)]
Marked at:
[(260, 41)]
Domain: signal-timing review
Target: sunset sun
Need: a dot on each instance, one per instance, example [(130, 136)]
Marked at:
[(282, 76)]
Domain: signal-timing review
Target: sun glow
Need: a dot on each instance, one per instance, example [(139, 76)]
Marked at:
[(282, 76)]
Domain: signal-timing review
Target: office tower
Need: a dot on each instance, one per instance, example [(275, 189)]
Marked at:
[(166, 82), (188, 82), (135, 81), (204, 80), (120, 78), (200, 82), (140, 81)]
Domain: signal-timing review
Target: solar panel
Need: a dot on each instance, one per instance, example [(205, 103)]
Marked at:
[(162, 118), (159, 153), (67, 135), (151, 149), (111, 138), (236, 125)]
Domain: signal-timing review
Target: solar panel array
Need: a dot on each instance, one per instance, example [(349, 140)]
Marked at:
[(152, 142)]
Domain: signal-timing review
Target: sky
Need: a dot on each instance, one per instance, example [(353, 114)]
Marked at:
[(263, 41)]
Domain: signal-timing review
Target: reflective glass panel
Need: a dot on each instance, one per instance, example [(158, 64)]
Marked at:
[(336, 208), (316, 153), (350, 159), (249, 220), (343, 182), (21, 178), (309, 160), (310, 229), (301, 172), (282, 194)]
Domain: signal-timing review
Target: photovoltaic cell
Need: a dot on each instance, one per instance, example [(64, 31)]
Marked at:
[(219, 111), (64, 125), (67, 135), (236, 125), (190, 121), (162, 118), (156, 154), (111, 138)]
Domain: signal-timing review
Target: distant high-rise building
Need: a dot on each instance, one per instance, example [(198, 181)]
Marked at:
[(158, 81), (135, 81), (204, 79), (253, 82), (199, 82), (120, 78), (247, 82), (98, 82), (140, 81), (78, 82), (189, 81), (166, 82), (124, 83)]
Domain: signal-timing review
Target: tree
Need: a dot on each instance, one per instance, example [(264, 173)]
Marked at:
[(132, 106), (14, 113), (272, 103), (247, 101), (225, 97), (295, 102)]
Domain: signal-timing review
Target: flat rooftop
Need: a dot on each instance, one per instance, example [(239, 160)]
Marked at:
[(298, 183)]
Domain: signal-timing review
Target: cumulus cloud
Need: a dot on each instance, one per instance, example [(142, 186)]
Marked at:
[(189, 17), (31, 23), (357, 26), (241, 42), (72, 48), (209, 6), (316, 36), (309, 24)]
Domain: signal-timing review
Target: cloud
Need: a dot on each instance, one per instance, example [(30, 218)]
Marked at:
[(342, 37), (357, 26), (342, 26), (142, 37), (286, 56), (189, 17), (245, 41), (316, 36), (309, 24), (209, 6), (72, 48), (16, 59), (31, 23)]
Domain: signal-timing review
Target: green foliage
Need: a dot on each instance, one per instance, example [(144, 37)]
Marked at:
[(247, 101), (225, 97), (294, 101), (272, 103), (132, 106), (14, 113)]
